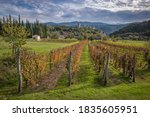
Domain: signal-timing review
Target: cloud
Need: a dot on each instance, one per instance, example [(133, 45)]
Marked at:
[(108, 11), (119, 5)]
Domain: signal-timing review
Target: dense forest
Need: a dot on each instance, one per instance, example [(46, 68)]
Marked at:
[(55, 32), (140, 31), (32, 28), (79, 33)]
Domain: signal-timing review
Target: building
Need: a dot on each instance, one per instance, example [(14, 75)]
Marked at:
[(37, 37), (78, 25)]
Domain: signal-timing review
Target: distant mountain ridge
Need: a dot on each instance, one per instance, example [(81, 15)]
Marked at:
[(138, 30), (107, 28)]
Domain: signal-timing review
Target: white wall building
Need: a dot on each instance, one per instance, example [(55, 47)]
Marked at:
[(37, 37)]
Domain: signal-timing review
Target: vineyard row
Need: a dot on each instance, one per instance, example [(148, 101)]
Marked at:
[(125, 60), (35, 66)]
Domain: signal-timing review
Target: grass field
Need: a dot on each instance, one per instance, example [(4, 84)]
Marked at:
[(45, 46), (4, 47), (87, 83)]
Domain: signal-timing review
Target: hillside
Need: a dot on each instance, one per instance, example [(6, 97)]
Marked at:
[(139, 30), (58, 31), (107, 28)]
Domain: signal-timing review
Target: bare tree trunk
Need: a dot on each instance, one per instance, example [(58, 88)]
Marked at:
[(19, 71)]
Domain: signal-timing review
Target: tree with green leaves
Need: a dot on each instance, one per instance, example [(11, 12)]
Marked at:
[(0, 26), (15, 34)]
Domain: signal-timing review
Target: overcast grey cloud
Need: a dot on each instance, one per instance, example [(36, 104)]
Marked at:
[(108, 11)]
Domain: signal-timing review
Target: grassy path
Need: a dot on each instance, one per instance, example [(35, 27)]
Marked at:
[(86, 75)]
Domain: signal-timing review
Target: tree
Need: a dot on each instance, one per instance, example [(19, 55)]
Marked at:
[(45, 31), (91, 38), (54, 35), (0, 26), (15, 34), (105, 38)]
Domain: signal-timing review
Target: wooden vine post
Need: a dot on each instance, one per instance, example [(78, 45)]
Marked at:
[(124, 64), (133, 68), (99, 64), (70, 69), (147, 58), (36, 65), (106, 69), (50, 60), (148, 63), (19, 71)]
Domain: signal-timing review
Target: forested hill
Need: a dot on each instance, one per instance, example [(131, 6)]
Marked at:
[(135, 31), (53, 32), (107, 28)]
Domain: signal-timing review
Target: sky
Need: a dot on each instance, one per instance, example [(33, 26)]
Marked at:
[(106, 11)]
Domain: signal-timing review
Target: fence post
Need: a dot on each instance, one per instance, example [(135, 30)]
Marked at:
[(70, 69), (36, 66), (50, 61), (106, 69), (19, 70), (99, 64), (124, 65), (133, 68), (147, 58), (148, 63)]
